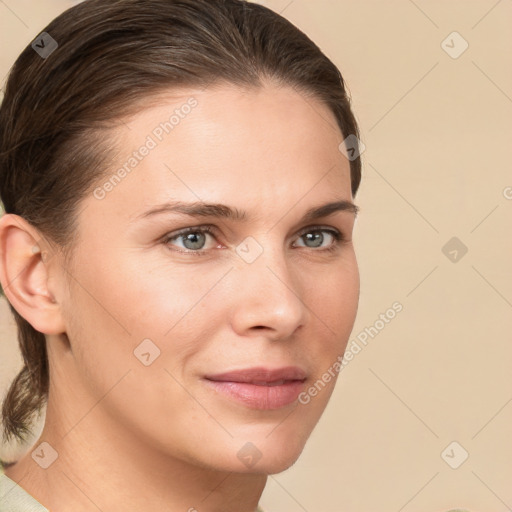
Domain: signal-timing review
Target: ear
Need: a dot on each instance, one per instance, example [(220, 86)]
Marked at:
[(24, 274)]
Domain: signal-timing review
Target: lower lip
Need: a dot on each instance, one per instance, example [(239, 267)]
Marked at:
[(260, 397)]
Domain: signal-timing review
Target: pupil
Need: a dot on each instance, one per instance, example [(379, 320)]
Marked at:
[(193, 239), (319, 238)]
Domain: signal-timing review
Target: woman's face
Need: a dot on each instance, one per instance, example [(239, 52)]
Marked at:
[(199, 345)]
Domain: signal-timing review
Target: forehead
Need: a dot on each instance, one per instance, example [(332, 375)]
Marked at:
[(257, 144), (268, 109)]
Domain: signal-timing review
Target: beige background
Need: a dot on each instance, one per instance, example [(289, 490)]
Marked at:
[(437, 131)]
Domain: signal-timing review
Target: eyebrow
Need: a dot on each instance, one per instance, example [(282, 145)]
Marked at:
[(201, 209)]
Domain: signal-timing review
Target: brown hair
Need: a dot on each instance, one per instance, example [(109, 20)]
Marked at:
[(111, 56)]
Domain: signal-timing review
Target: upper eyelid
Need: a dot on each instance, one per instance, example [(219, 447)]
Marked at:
[(320, 227), (212, 228)]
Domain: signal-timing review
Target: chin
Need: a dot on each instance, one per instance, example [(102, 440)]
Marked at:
[(268, 464), (277, 464), (269, 454)]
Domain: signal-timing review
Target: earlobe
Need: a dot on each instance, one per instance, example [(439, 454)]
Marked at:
[(25, 274)]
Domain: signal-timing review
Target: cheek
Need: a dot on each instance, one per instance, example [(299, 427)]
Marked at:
[(139, 297), (161, 309), (334, 302), (333, 297), (116, 315), (160, 298)]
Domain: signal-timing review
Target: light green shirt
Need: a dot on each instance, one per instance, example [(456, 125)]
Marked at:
[(15, 499)]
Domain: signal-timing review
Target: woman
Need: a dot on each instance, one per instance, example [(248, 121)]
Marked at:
[(178, 179)]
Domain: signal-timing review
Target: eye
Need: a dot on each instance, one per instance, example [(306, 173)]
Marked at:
[(194, 239), (315, 238)]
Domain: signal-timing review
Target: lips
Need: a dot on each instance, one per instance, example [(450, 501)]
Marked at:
[(259, 387), (260, 375)]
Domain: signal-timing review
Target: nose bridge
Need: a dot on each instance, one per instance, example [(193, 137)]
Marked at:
[(264, 257), (269, 294)]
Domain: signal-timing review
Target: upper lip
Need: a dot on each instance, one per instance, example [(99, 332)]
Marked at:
[(260, 375)]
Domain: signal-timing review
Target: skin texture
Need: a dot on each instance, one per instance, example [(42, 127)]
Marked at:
[(136, 437)]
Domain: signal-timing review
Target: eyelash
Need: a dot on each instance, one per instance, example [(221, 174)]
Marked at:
[(338, 237)]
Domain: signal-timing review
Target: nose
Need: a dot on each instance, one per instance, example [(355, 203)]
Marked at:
[(268, 297)]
